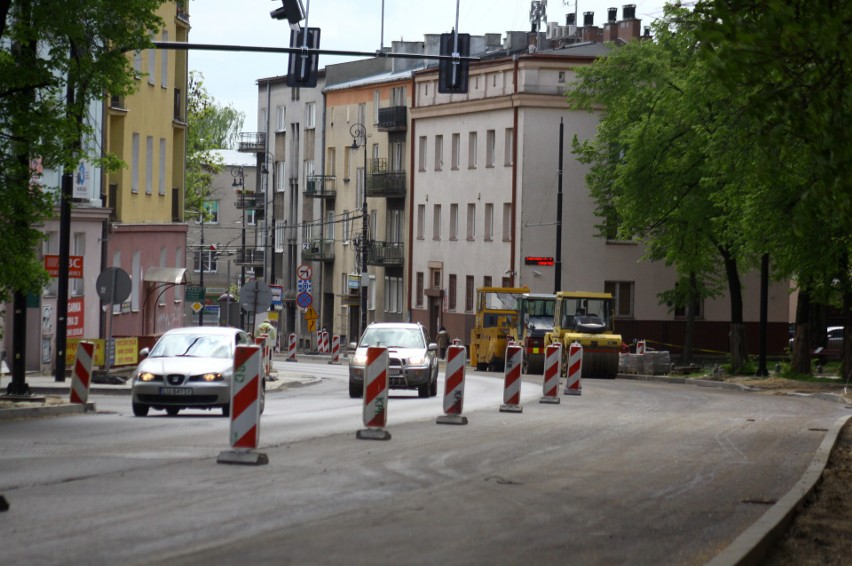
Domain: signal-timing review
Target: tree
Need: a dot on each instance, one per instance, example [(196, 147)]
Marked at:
[(666, 165), (209, 127), (63, 55), (794, 60)]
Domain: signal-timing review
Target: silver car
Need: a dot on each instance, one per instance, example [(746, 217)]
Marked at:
[(412, 359), (187, 368)]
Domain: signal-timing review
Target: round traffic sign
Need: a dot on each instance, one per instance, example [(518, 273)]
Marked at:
[(113, 285), (304, 272), (255, 297), (304, 300)]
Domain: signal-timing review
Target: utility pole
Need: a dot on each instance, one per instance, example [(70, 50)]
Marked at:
[(557, 264)]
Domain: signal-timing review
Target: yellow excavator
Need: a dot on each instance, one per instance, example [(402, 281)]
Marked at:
[(587, 318), (496, 323)]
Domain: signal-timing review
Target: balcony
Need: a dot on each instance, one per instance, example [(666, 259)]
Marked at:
[(249, 257), (393, 119), (179, 116), (318, 250), (252, 142), (385, 254), (320, 186), (382, 183), (249, 201)]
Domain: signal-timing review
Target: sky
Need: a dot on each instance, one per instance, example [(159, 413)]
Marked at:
[(351, 25)]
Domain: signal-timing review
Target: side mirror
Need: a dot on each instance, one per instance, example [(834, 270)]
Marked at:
[(433, 347), (353, 345), (143, 353)]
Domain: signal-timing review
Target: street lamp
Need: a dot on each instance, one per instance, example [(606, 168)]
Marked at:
[(239, 185), (268, 168), (359, 132)]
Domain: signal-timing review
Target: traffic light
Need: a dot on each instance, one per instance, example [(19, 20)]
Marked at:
[(291, 10), (452, 74), (302, 67)]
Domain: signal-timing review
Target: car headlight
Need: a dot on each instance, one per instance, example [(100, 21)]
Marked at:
[(417, 360), (146, 376), (359, 359), (212, 376)]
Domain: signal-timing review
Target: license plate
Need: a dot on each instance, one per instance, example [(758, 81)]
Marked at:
[(175, 390), (394, 372)]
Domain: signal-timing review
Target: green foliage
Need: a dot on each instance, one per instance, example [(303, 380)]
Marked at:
[(209, 127), (63, 55)]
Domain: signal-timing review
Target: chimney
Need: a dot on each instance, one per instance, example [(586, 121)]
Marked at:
[(571, 19), (588, 19), (590, 33), (629, 28), (610, 29), (611, 14)]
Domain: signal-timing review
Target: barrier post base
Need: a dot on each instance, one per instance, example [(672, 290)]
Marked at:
[(373, 434), (247, 458), (573, 392), (451, 419), (290, 360), (551, 400), (333, 363), (511, 408)]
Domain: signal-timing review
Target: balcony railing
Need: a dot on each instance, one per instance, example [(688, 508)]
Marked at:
[(320, 186), (249, 257), (318, 250), (386, 185), (252, 142), (249, 201), (386, 253), (393, 119)]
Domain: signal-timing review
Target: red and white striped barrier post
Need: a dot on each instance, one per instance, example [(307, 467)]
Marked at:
[(375, 395), (324, 349), (335, 349), (454, 387), (291, 348), (264, 349), (81, 377), (575, 368), (552, 371), (512, 379), (457, 342), (246, 392), (640, 347)]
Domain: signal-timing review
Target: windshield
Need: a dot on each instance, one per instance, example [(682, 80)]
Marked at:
[(193, 345), (539, 307), (393, 338), (501, 301), (585, 311)]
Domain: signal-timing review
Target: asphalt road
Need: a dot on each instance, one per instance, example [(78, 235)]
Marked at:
[(630, 472)]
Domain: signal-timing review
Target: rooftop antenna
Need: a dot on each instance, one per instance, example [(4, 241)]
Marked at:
[(538, 13)]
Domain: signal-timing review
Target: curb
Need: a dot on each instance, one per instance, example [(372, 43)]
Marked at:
[(41, 412), (754, 543)]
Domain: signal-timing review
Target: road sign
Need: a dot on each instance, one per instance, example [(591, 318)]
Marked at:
[(255, 297), (195, 293), (304, 286), (304, 272), (196, 307), (304, 300), (311, 314), (113, 285)]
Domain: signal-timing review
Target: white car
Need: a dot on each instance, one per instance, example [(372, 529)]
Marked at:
[(188, 368), (412, 359)]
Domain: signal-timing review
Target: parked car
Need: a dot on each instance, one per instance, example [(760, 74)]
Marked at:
[(833, 349), (412, 359), (188, 368)]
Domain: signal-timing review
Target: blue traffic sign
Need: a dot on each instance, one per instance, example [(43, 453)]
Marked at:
[(304, 300)]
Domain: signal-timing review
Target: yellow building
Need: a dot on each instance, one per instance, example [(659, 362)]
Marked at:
[(147, 131)]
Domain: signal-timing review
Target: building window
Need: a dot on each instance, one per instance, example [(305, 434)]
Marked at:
[(488, 234), (398, 96), (376, 107), (471, 221), (435, 277), (211, 212), (436, 222), (79, 248), (471, 150), (454, 221), (362, 113), (560, 77), (468, 293), (507, 150), (486, 281), (135, 280), (421, 162), (164, 63), (178, 262), (310, 115), (454, 165), (489, 148), (680, 310), (393, 295), (451, 292), (281, 119), (152, 62), (149, 164), (439, 153), (134, 164), (622, 295), (161, 181), (418, 295), (421, 221), (507, 221), (347, 226)]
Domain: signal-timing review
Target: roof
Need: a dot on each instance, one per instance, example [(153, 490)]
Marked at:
[(374, 79), (234, 157)]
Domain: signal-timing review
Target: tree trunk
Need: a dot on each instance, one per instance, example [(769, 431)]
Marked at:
[(739, 350), (801, 362), (846, 360)]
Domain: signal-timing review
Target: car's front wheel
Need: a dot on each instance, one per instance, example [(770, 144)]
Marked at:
[(226, 410), (433, 388), (356, 391), (140, 410), (172, 411)]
